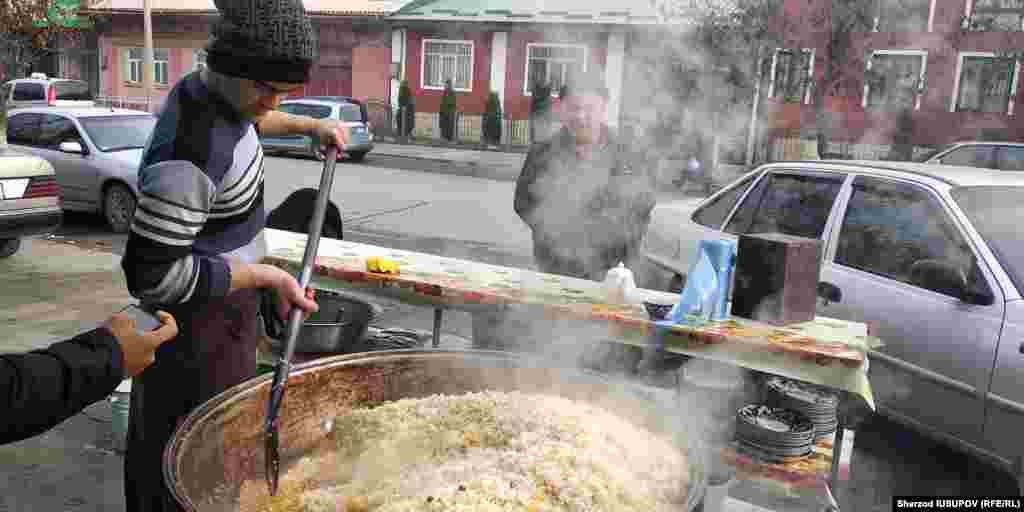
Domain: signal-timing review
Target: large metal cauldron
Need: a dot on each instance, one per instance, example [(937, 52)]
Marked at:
[(220, 444)]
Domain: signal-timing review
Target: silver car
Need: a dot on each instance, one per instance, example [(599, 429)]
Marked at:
[(347, 110), (95, 151), (1005, 156), (931, 256)]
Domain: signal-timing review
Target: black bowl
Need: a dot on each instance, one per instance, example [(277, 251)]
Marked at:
[(658, 311)]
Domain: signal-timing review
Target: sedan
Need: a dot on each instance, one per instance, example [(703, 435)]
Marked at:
[(346, 110), (29, 199), (929, 255), (1005, 156), (95, 151)]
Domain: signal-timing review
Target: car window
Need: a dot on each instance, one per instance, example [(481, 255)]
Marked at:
[(1010, 158), (303, 109), (23, 129), (55, 129), (791, 204), (351, 113), (890, 229), (970, 156), (712, 215), (29, 91), (119, 133), (72, 90)]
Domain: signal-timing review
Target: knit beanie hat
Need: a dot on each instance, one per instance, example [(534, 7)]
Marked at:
[(264, 40)]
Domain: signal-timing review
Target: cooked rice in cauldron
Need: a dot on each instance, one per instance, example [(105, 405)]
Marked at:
[(480, 452)]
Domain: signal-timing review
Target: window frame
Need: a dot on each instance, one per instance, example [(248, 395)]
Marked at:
[(1014, 81), (527, 86), (922, 75), (929, 19), (135, 64), (805, 97), (166, 63), (953, 218), (838, 202), (750, 180), (423, 64), (970, 9)]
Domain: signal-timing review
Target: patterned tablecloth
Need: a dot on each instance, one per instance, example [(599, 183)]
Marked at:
[(825, 351)]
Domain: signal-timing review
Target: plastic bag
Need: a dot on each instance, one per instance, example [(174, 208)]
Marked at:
[(700, 296)]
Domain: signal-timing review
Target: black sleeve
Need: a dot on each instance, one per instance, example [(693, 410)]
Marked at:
[(525, 199), (41, 389)]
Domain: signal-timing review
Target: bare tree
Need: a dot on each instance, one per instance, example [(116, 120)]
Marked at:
[(33, 29)]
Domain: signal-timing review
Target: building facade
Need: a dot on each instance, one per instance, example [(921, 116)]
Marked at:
[(953, 65), (353, 36)]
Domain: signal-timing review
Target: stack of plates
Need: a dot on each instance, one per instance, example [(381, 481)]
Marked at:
[(773, 434), (817, 404)]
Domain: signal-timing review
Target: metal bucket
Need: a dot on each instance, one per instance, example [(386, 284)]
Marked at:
[(220, 445)]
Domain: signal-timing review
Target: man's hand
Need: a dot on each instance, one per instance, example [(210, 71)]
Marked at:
[(139, 350), (289, 294), (329, 131)]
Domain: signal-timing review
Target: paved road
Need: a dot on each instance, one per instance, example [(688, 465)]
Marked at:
[(75, 466)]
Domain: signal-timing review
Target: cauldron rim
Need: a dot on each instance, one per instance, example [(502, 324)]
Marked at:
[(697, 454)]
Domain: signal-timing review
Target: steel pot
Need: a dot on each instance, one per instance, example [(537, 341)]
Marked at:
[(219, 445), (337, 328)]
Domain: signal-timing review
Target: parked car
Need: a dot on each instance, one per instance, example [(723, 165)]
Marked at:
[(29, 199), (1005, 156), (349, 111), (40, 91), (95, 151), (930, 255)]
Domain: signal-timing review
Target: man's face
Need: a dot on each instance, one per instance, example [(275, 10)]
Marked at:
[(257, 98), (585, 115)]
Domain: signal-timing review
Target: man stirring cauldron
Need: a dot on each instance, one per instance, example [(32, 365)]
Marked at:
[(586, 198), (197, 234)]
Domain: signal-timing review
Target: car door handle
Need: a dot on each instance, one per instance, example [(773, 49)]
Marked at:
[(829, 292)]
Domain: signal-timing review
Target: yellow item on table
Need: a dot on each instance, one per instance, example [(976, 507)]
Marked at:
[(381, 265)]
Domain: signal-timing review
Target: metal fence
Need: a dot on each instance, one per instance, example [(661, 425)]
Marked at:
[(130, 102), (468, 129)]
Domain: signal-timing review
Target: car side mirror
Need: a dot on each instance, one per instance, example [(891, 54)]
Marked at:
[(948, 278), (72, 147)]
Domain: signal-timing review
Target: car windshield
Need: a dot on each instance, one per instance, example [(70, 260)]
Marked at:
[(306, 109), (117, 133), (995, 213), (72, 90)]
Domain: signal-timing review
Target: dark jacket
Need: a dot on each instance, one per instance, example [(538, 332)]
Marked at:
[(42, 388), (586, 215)]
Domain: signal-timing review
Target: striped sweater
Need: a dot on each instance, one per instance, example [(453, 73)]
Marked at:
[(200, 201)]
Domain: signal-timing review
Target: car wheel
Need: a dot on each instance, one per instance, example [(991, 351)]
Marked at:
[(357, 156), (118, 207), (9, 246), (677, 283)]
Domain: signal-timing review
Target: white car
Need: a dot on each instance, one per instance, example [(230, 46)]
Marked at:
[(1005, 156), (40, 91), (932, 256), (29, 199)]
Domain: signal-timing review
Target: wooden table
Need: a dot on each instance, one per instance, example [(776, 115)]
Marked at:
[(826, 352)]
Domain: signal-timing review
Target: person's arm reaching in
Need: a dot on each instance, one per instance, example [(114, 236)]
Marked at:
[(327, 131), (41, 389)]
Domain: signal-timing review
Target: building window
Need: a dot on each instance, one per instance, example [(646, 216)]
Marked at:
[(985, 83), (553, 64), (990, 15), (903, 15), (895, 80), (199, 59), (135, 65), (448, 60), (792, 75), (160, 67)]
